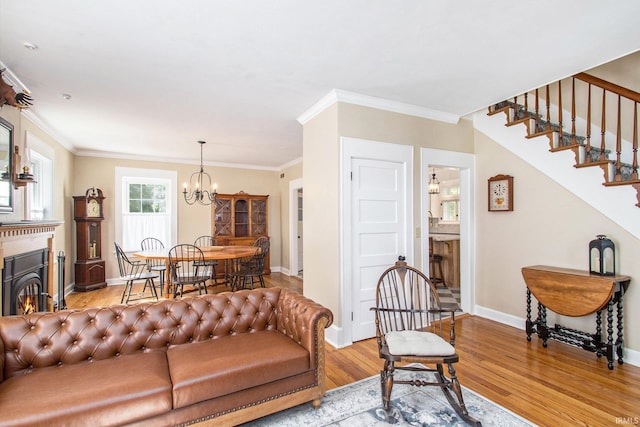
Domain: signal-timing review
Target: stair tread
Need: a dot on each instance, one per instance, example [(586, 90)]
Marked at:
[(541, 133), (596, 163), (617, 183), (565, 147)]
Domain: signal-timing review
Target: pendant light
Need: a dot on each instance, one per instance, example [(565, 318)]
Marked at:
[(201, 189), (434, 184)]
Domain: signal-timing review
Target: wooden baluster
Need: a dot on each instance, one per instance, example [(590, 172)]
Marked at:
[(526, 111), (548, 109), (588, 149), (515, 108), (561, 131), (573, 111), (603, 125), (537, 111), (634, 175), (618, 173)]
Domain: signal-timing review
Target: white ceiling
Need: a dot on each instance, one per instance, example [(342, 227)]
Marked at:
[(148, 78)]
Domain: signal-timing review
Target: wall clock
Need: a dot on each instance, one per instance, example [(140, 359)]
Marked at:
[(500, 193)]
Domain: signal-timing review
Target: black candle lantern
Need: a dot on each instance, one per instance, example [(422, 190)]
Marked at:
[(602, 256)]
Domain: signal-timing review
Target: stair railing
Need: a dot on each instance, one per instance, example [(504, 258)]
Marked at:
[(590, 97)]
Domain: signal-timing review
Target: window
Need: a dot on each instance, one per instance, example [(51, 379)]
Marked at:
[(450, 200), (146, 201), (450, 211), (147, 197), (39, 199)]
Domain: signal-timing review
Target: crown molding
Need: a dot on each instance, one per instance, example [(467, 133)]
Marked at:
[(290, 163), (147, 158), (339, 95), (33, 118), (12, 79)]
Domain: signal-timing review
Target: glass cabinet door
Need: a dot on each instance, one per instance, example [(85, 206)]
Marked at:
[(258, 217), (223, 218)]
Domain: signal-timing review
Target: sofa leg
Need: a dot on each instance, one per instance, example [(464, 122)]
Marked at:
[(316, 403)]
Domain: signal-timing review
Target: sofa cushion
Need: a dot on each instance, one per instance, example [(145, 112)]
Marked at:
[(208, 369), (103, 392)]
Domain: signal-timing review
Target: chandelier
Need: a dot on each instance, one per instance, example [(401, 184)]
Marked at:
[(434, 184), (200, 189)]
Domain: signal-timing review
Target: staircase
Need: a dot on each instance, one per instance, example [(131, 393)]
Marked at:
[(616, 150)]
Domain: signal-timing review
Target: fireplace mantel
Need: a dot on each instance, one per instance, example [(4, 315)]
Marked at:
[(24, 236)]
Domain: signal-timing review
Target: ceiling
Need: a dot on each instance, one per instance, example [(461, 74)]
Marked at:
[(149, 78)]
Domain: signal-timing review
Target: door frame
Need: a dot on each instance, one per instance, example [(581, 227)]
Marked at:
[(361, 148), (430, 158), (294, 186)]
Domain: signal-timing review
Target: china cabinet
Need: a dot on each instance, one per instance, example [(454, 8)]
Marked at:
[(238, 219)]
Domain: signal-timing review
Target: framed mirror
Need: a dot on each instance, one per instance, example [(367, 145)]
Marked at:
[(6, 166)]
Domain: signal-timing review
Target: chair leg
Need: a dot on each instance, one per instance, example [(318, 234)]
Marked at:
[(124, 291), (130, 287), (214, 275), (154, 292), (162, 282), (386, 384), (457, 402)]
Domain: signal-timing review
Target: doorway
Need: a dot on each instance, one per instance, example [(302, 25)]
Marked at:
[(296, 245), (444, 231), (464, 163)]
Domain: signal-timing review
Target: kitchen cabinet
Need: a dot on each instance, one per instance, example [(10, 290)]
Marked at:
[(448, 247)]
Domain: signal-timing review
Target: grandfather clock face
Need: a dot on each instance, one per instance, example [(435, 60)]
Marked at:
[(94, 208)]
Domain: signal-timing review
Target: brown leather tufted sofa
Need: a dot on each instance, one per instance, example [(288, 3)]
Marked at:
[(229, 358)]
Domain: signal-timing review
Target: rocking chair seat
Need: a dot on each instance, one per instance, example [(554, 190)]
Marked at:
[(417, 343)]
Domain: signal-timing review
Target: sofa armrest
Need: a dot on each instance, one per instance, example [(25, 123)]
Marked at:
[(303, 320), (1, 360)]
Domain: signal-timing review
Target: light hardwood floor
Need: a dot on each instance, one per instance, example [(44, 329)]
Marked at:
[(555, 386)]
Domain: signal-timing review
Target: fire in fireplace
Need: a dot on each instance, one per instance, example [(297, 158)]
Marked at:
[(24, 282)]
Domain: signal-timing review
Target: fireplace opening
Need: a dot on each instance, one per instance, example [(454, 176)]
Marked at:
[(28, 294), (25, 282)]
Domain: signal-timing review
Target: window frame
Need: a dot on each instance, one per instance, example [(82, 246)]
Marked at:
[(122, 173)]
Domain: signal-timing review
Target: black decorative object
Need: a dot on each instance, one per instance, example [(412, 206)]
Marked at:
[(602, 256)]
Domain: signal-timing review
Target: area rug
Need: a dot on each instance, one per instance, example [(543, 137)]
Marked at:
[(359, 404)]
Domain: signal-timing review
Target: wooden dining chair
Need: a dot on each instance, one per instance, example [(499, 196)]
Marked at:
[(132, 271), (411, 336), (157, 265), (204, 241), (186, 265), (251, 268)]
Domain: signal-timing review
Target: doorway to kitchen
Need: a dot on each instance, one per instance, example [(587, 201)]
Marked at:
[(295, 228), (444, 232), (447, 218)]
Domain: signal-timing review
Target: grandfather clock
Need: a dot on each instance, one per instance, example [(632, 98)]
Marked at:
[(90, 269)]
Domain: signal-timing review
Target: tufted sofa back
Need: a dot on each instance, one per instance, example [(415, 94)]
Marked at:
[(78, 336)]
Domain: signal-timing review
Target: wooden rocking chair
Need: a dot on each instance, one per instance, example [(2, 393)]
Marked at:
[(409, 329)]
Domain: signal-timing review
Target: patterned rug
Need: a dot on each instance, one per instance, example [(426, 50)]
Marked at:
[(359, 405)]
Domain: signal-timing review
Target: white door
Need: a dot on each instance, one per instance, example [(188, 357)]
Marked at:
[(378, 226)]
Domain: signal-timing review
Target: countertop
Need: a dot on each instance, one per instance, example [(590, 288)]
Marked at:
[(444, 237)]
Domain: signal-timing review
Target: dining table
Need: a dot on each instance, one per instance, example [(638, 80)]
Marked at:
[(227, 254)]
